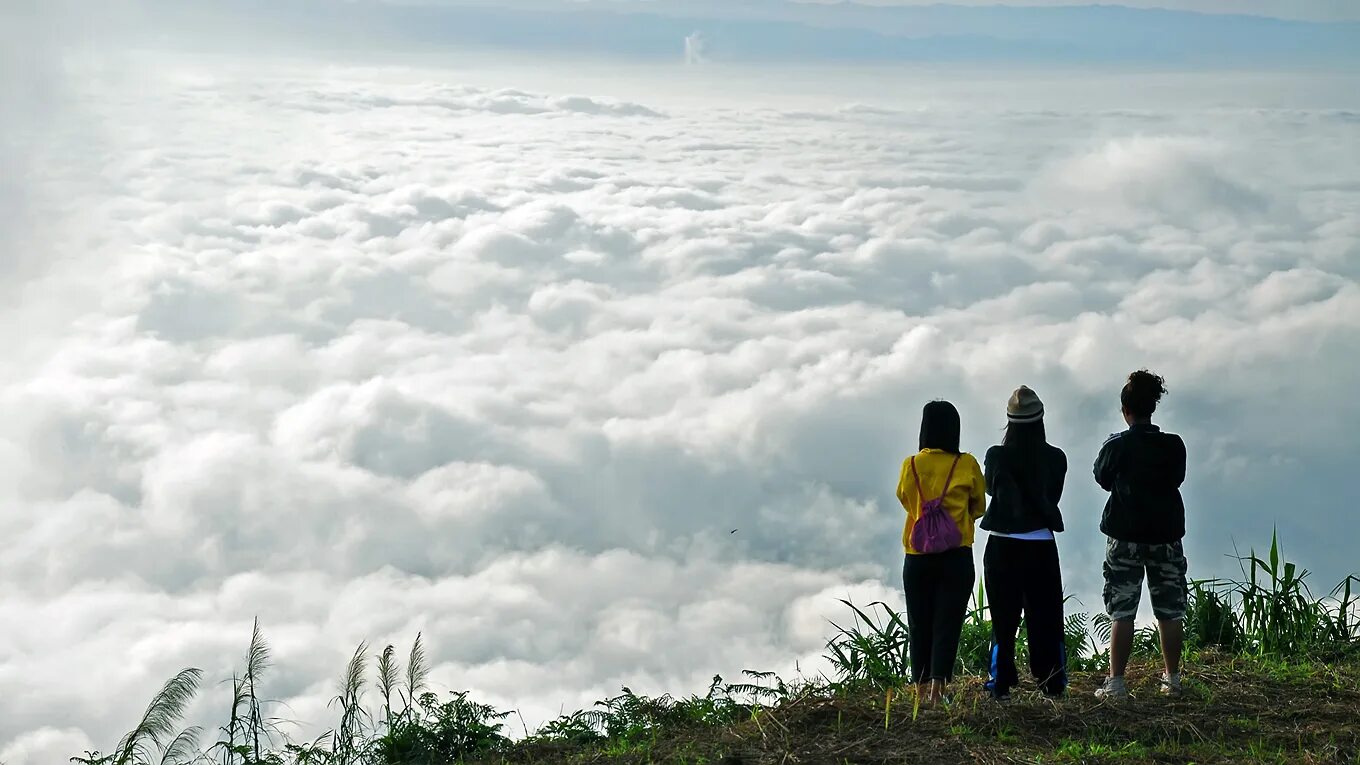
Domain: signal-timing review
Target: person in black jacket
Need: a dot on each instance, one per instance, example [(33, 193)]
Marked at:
[(1020, 566), (1143, 469)]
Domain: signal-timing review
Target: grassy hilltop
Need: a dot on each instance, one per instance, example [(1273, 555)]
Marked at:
[(1234, 711), (1272, 676)]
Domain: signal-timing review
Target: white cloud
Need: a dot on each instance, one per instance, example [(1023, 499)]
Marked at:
[(363, 352), (1162, 179), (47, 745)]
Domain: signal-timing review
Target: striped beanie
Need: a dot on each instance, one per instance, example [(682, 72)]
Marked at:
[(1024, 406)]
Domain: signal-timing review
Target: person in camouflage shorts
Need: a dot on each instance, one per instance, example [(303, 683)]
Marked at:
[(1125, 564), (1143, 469)]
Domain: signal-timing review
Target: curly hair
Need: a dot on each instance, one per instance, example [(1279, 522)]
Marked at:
[(1142, 393)]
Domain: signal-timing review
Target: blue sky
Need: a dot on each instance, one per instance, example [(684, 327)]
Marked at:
[(775, 30), (1316, 10), (1322, 10)]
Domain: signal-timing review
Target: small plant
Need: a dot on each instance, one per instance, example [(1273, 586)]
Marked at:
[(1209, 620), (629, 719), (716, 707), (629, 722), (975, 640), (1147, 641), (872, 651), (1084, 652), (1273, 612), (347, 739), (765, 688), (576, 728), (247, 729), (442, 732)]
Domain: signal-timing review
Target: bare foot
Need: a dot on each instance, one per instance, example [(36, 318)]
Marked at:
[(936, 693)]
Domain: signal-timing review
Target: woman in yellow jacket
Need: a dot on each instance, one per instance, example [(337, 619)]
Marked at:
[(938, 581)]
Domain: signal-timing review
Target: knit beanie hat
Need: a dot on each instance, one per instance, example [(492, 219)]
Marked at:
[(1024, 406)]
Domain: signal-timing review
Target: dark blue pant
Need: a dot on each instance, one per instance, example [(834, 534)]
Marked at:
[(1022, 576), (937, 587)]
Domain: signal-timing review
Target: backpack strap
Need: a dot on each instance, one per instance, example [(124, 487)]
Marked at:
[(949, 477), (921, 489)]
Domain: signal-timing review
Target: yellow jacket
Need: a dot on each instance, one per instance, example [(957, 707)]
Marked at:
[(965, 502)]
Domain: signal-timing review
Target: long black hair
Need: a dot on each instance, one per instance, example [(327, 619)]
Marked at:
[(1024, 435), (1024, 446), (1024, 442), (940, 427)]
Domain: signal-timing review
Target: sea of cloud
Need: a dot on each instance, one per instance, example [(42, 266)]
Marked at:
[(595, 391)]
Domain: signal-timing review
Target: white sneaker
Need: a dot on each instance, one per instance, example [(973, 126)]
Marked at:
[(1171, 685), (1114, 688)]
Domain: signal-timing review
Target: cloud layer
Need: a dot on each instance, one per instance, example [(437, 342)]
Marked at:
[(365, 352)]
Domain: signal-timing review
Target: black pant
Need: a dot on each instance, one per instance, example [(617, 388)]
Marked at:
[(937, 588), (1023, 575)]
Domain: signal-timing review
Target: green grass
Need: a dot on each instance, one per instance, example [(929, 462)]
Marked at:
[(1273, 676), (1087, 751)]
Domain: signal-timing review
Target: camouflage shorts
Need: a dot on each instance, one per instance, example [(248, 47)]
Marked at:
[(1125, 563)]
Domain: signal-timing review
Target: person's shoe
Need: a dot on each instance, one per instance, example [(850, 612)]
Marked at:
[(1171, 685), (1054, 687), (996, 693), (1114, 688)]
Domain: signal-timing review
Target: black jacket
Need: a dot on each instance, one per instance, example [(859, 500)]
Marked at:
[(1024, 500), (1143, 469)]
